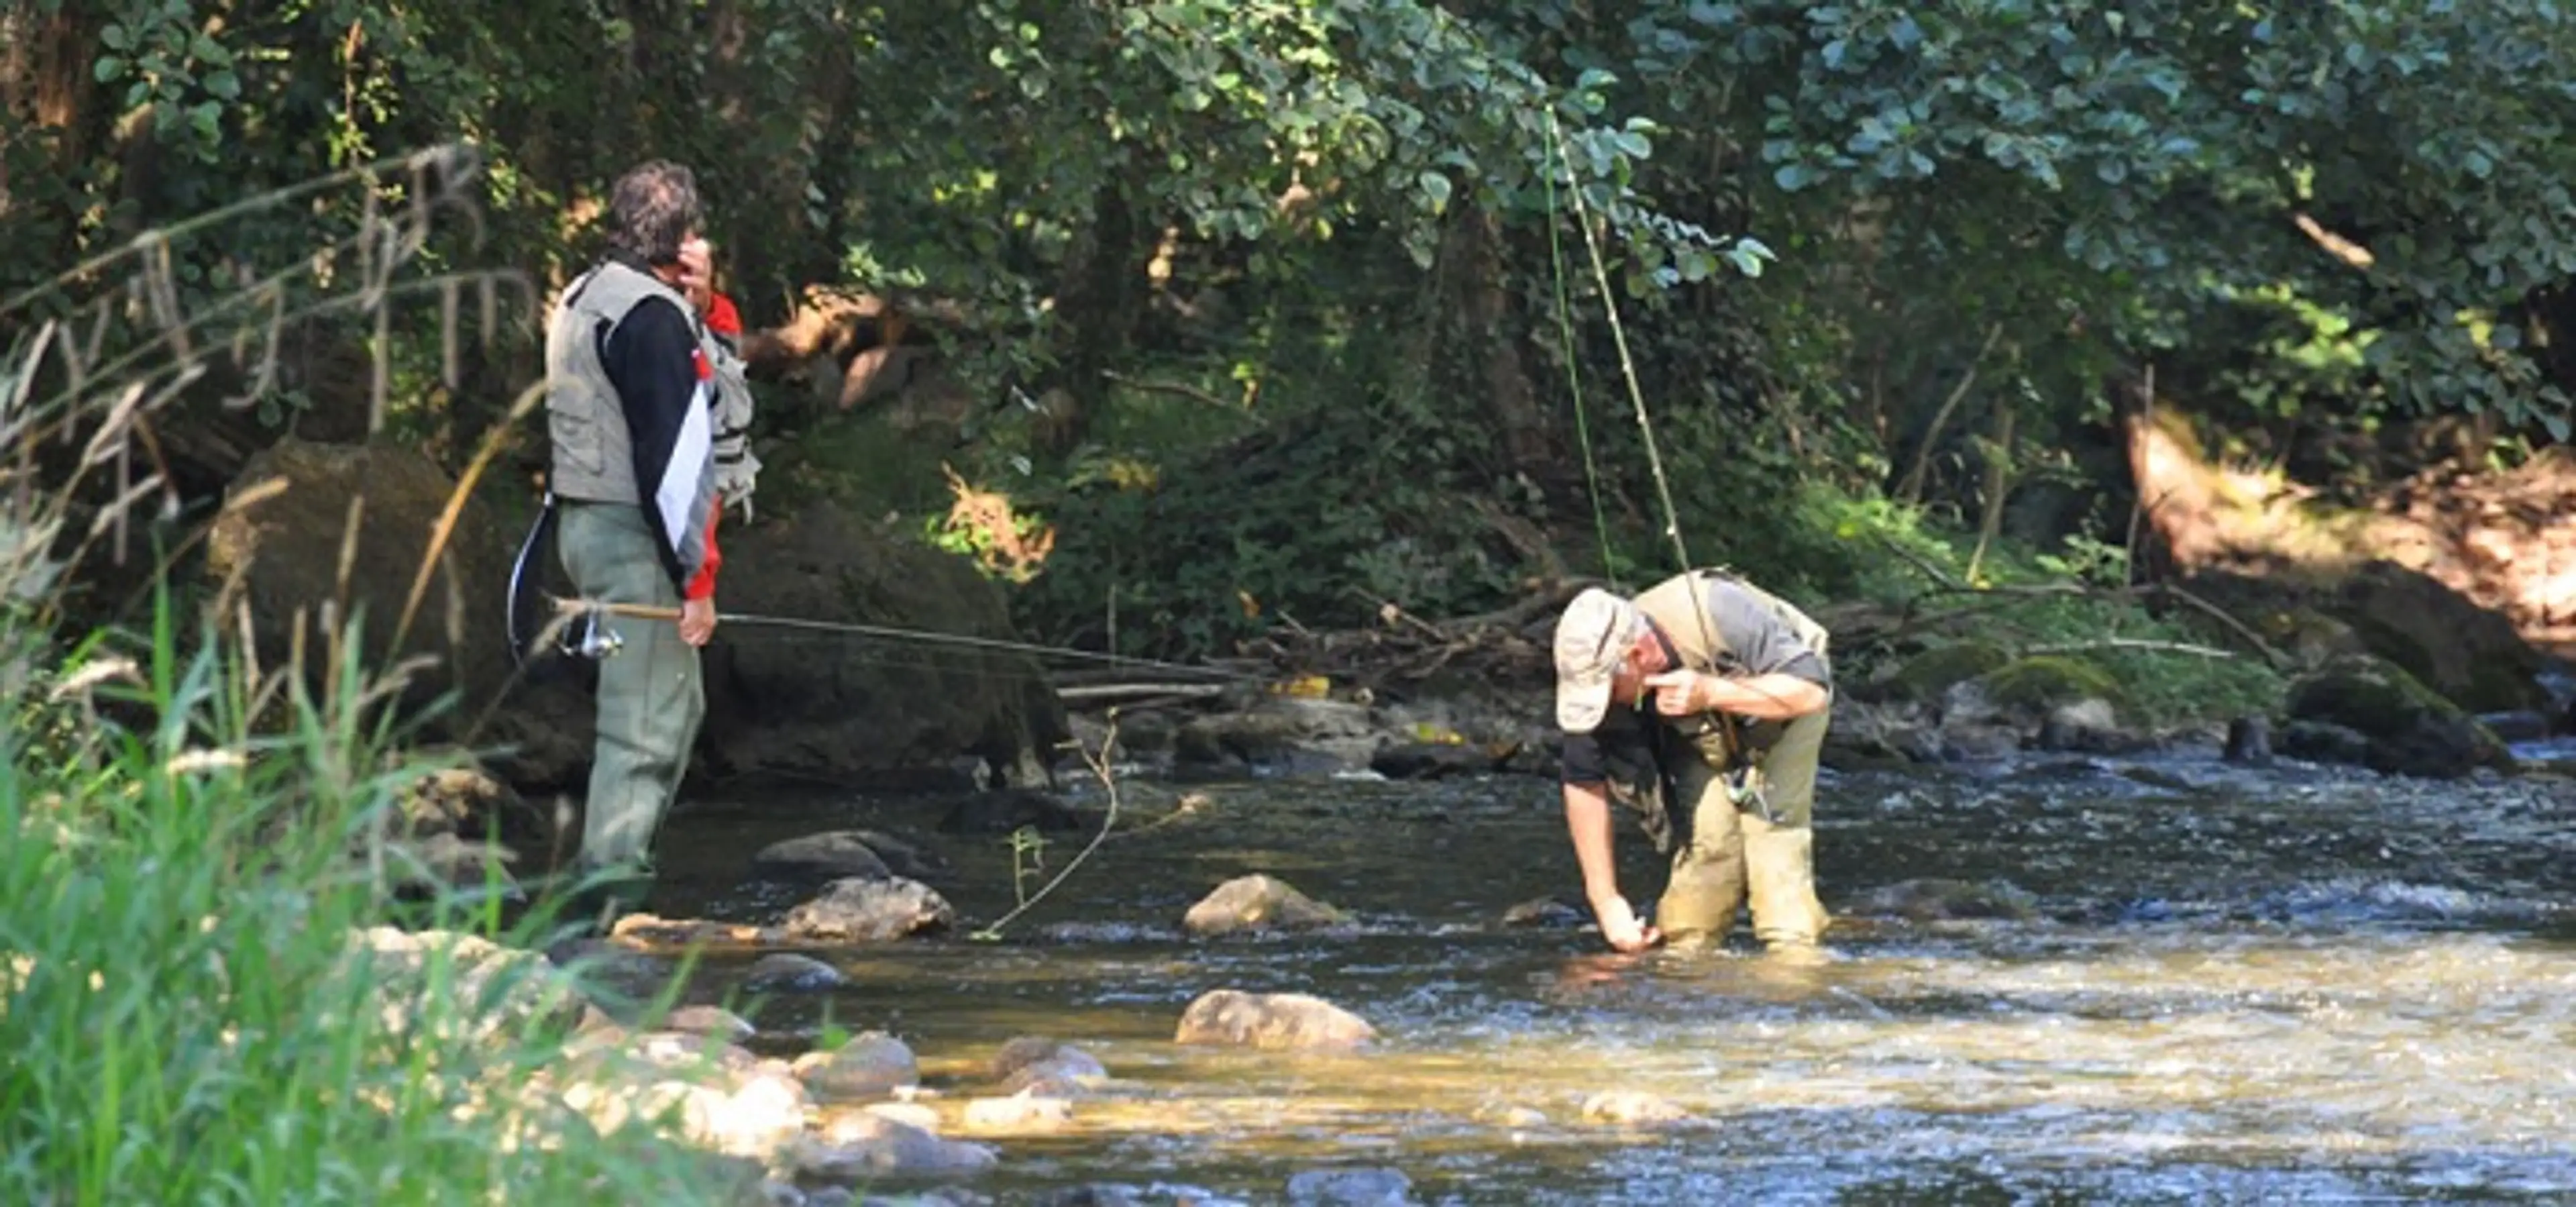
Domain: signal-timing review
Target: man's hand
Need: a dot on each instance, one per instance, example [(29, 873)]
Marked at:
[(698, 621), (1679, 693), (1620, 926), (698, 274), (1771, 697)]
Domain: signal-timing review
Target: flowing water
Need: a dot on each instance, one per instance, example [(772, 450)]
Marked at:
[(2295, 985)]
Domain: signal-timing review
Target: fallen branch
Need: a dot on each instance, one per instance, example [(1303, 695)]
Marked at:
[(1111, 691), (2213, 611), (1390, 611), (1930, 571), (1555, 594), (1173, 388), (2128, 643)]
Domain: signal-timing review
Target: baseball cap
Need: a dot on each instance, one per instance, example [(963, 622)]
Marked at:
[(1592, 639)]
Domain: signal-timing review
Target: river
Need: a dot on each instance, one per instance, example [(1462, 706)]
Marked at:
[(2298, 984)]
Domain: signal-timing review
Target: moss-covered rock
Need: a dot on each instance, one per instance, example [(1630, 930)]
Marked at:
[(2410, 728), (2309, 637), (2471, 655), (2039, 685), (1929, 674)]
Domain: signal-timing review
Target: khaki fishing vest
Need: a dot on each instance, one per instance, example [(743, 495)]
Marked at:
[(1679, 607), (594, 456)]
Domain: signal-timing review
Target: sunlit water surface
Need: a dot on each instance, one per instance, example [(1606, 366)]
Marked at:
[(2294, 985)]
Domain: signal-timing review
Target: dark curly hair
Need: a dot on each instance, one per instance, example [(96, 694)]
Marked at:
[(653, 209)]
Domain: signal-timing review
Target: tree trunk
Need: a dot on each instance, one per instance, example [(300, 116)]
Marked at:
[(1492, 340), (1098, 306)]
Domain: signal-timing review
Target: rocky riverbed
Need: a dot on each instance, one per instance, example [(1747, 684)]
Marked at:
[(2116, 977)]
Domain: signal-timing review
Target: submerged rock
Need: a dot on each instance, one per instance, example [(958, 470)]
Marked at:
[(1007, 810), (1018, 1113), (841, 854), (713, 1022), (870, 910), (870, 1065), (1350, 1188), (1933, 899), (1251, 903), (1097, 1194), (1035, 1065), (2407, 728), (1546, 911), (1271, 1020), (1633, 1108), (1433, 760), (865, 1147), (788, 972)]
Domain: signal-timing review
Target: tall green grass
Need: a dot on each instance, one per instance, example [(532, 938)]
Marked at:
[(199, 999), (192, 1016)]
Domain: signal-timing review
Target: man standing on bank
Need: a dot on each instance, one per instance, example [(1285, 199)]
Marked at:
[(1701, 705), (630, 370)]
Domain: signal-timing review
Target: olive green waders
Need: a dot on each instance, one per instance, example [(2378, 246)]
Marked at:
[(1742, 851), (651, 698)]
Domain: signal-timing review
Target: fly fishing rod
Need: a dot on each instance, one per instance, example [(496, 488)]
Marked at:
[(607, 642)]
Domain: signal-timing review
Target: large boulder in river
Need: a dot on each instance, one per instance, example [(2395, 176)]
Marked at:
[(844, 707), (1256, 903), (1270, 1020), (1278, 732), (278, 560), (2472, 656), (865, 910), (844, 854), (2404, 727)]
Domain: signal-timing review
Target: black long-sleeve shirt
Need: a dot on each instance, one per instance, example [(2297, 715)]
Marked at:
[(665, 388)]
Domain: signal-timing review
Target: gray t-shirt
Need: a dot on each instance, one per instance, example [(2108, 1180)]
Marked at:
[(1761, 643)]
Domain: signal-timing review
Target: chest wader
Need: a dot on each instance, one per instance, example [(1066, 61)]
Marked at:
[(651, 695), (1741, 792)]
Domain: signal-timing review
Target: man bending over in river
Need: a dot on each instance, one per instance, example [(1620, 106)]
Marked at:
[(1700, 705)]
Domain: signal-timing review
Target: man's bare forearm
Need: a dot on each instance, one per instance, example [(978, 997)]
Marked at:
[(1587, 822), (1773, 697)]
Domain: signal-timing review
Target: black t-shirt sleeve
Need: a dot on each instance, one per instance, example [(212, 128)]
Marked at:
[(1580, 760), (1624, 738), (1762, 641)]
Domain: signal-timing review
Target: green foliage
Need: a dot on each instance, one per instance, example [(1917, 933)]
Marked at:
[(1335, 504), (181, 959)]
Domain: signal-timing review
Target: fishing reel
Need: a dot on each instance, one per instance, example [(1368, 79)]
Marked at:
[(587, 638), (583, 636)]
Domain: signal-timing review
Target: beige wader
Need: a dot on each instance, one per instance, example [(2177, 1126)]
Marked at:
[(1734, 853), (1748, 837)]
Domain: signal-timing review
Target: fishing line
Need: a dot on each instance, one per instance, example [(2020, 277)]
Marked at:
[(1628, 373), (1627, 365), (907, 636), (1573, 370)]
